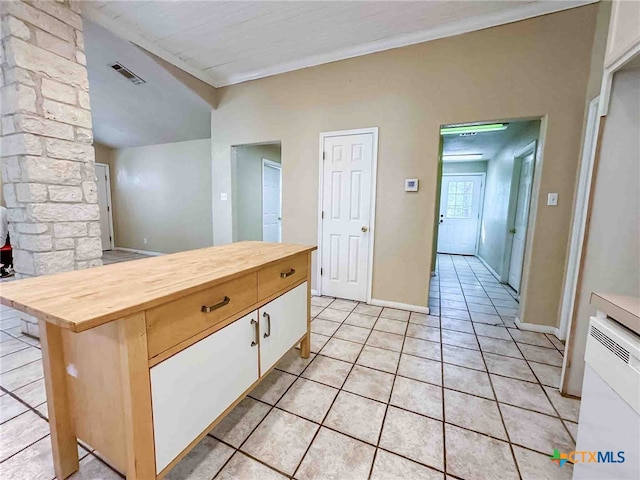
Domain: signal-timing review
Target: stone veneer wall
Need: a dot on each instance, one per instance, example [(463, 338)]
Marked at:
[(48, 163)]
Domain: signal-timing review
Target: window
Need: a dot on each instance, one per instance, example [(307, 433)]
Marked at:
[(459, 199)]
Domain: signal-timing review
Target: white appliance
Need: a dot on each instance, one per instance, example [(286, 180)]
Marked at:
[(610, 408)]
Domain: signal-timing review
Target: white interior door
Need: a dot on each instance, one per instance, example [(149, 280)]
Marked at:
[(104, 202), (519, 237), (346, 206), (271, 202), (460, 199)]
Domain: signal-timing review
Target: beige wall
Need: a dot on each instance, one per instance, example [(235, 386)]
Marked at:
[(612, 256), (464, 167), (162, 193), (246, 172), (500, 198), (534, 68)]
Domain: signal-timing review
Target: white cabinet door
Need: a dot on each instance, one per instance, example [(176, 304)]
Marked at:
[(192, 388), (283, 322)]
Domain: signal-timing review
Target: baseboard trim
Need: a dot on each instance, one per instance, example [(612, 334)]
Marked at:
[(532, 327), (399, 306), (491, 270), (142, 252), (314, 292)]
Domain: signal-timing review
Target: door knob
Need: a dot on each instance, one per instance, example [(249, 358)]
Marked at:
[(364, 229), (513, 230)]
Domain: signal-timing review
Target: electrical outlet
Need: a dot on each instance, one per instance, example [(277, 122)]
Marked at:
[(223, 197), (552, 199), (144, 240)]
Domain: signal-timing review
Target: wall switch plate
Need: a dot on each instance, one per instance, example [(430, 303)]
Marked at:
[(552, 199), (223, 197), (411, 185)]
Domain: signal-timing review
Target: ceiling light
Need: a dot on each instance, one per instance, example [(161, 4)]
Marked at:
[(491, 127), (462, 158)]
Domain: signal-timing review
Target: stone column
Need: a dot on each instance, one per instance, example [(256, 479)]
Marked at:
[(46, 146)]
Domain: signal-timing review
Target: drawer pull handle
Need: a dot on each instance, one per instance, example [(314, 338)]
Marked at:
[(256, 334), (287, 274), (225, 301), (268, 317)]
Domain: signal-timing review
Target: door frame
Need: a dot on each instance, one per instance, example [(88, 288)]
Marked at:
[(272, 164), (513, 205), (483, 185), (109, 204), (372, 209)]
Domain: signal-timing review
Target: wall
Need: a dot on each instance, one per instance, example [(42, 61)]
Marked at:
[(162, 193), (539, 68), (499, 198), (612, 255), (247, 189), (464, 167)]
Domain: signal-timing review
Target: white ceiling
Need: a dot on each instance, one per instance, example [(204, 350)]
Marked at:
[(162, 110), (228, 42)]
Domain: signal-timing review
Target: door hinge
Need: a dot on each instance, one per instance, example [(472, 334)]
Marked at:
[(108, 208), (321, 272), (324, 155), (105, 178), (110, 239), (322, 216)]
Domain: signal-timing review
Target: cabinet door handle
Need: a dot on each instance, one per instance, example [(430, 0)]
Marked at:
[(287, 274), (268, 317), (256, 333), (225, 301)]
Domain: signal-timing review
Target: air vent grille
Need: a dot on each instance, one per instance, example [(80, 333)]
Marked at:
[(126, 73), (610, 344)]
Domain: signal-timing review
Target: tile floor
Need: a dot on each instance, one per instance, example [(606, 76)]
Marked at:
[(386, 394)]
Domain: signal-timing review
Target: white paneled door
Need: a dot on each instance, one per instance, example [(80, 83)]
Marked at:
[(104, 203), (519, 231), (460, 200), (346, 209), (271, 201)]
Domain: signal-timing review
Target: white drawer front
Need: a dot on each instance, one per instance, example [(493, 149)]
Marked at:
[(192, 388), (288, 317)]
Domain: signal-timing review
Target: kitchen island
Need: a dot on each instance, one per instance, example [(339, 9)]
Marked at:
[(143, 359)]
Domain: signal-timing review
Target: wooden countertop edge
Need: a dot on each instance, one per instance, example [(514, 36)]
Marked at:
[(94, 322), (610, 305)]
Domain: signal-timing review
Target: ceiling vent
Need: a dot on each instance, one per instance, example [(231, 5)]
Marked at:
[(126, 73)]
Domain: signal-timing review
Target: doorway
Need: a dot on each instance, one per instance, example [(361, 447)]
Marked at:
[(271, 201), (348, 161), (103, 183)]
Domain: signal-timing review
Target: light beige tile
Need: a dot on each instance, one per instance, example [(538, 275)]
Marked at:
[(557, 343), (19, 359), (293, 363), (281, 440), (485, 307), (474, 413), (455, 304), (22, 376), (391, 326), (568, 408), (342, 350), (454, 313), (21, 432), (486, 318), (413, 436), (531, 338), (328, 371), (240, 422), (460, 339), (308, 399), (423, 332), (315, 311), (361, 320), (318, 341), (535, 466), (474, 456), (10, 408), (499, 347), (547, 374), (521, 394), (203, 462), (12, 345), (462, 357), (535, 430), (369, 383), (422, 348), (357, 417), (336, 456), (418, 397), (541, 354), (456, 325), (395, 314), (467, 380), (476, 300), (240, 467), (365, 309), (273, 387), (573, 429), (379, 359), (92, 469), (420, 369), (333, 314), (346, 305), (492, 331), (352, 333), (390, 341), (324, 327), (321, 301), (509, 367), (388, 466), (423, 319), (33, 394)]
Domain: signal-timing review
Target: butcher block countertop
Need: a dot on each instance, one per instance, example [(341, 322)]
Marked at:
[(624, 309), (85, 299)]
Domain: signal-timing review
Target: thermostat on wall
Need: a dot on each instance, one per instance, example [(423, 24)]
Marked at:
[(411, 185)]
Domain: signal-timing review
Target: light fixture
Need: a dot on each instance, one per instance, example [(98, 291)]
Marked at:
[(462, 158), (490, 127)]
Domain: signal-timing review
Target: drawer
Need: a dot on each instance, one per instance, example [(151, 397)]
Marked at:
[(281, 275), (174, 322)]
